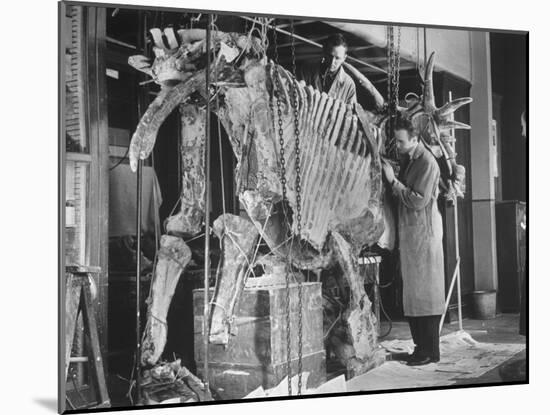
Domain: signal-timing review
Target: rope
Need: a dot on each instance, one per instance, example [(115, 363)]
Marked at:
[(259, 241), (163, 322), (228, 233), (167, 254)]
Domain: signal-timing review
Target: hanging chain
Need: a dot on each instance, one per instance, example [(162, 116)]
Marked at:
[(389, 62), (390, 145), (394, 63), (396, 68), (298, 191), (277, 92)]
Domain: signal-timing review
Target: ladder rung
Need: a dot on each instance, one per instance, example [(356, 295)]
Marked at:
[(78, 359)]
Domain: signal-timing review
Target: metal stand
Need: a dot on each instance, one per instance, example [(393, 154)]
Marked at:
[(206, 308), (138, 281), (373, 260), (456, 273)]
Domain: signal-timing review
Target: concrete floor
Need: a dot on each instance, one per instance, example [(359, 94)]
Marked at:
[(502, 329)]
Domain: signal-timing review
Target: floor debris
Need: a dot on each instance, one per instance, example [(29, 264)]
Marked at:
[(462, 357), (336, 385)]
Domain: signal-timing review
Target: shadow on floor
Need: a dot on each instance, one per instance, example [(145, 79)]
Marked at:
[(48, 403)]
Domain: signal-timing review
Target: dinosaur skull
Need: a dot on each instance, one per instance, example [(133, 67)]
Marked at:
[(180, 69)]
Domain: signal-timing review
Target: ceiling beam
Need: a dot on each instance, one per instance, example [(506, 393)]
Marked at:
[(306, 40), (301, 22), (356, 48)]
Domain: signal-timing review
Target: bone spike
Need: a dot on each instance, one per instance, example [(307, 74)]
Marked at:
[(362, 145), (191, 35), (304, 108), (346, 128), (157, 37), (328, 117), (319, 112), (367, 85), (320, 122), (141, 63), (301, 101), (171, 37), (447, 125), (356, 142), (338, 124), (314, 109), (307, 110), (348, 141), (452, 106), (428, 97), (332, 124), (366, 146), (284, 88)]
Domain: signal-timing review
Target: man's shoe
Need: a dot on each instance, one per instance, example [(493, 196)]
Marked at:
[(434, 359), (419, 361)]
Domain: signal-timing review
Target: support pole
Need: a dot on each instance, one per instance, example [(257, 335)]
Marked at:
[(457, 246), (456, 273), (141, 42), (138, 281), (206, 313)]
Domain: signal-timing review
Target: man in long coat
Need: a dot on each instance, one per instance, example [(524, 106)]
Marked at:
[(420, 231)]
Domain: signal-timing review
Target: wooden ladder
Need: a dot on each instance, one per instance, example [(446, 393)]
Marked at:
[(79, 298)]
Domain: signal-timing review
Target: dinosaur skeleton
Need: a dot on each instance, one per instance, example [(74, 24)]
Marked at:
[(342, 191)]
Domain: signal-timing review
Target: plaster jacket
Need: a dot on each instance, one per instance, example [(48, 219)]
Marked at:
[(420, 230)]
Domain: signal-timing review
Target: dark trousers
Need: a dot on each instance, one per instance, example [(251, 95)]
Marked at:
[(425, 335)]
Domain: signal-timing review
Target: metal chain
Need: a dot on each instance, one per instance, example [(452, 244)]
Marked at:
[(389, 63), (277, 92), (298, 191), (396, 67), (394, 63), (391, 105)]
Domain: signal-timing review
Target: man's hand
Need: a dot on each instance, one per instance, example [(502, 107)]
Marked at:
[(388, 171)]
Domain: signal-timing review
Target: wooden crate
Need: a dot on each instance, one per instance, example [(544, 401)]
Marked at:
[(256, 354)]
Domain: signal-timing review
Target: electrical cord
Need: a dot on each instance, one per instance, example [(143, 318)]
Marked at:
[(124, 157)]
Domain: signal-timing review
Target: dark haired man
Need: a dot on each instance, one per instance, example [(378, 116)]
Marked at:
[(329, 75), (420, 230), (335, 81)]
